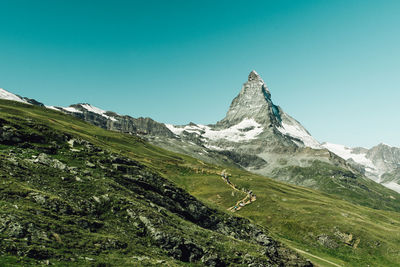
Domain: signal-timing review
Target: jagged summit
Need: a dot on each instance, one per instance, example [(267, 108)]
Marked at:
[(254, 76), (254, 101)]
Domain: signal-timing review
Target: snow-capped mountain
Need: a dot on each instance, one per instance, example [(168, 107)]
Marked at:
[(380, 163), (251, 116), (257, 135), (254, 102)]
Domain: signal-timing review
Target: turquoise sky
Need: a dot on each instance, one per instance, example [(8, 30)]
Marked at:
[(333, 65)]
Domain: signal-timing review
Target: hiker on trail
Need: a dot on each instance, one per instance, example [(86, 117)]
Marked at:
[(224, 175)]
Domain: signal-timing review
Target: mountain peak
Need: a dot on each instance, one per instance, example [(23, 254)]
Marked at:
[(254, 76), (254, 101)]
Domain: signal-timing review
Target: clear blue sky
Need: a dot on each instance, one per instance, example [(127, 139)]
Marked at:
[(334, 65)]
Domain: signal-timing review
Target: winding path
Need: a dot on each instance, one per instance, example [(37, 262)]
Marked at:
[(248, 199)]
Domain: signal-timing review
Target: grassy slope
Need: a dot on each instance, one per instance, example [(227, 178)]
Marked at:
[(107, 210), (297, 216), (343, 184)]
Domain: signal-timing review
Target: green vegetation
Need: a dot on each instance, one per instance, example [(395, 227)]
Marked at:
[(343, 184), (326, 228), (65, 201)]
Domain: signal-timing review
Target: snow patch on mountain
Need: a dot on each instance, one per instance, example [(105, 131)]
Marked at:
[(348, 153), (179, 129), (247, 129), (72, 109), (53, 108), (10, 96), (295, 130), (97, 111), (393, 185)]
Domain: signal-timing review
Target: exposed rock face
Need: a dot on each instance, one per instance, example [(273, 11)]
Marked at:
[(384, 157), (253, 101), (33, 101), (115, 122)]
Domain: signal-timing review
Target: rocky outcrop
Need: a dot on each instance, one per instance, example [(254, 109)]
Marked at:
[(115, 122), (386, 158), (32, 101)]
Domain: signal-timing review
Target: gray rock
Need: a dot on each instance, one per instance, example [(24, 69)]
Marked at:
[(48, 161), (327, 241)]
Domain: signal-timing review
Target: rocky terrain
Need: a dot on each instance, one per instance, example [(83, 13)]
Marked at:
[(65, 200)]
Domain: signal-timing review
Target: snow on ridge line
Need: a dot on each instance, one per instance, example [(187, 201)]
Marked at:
[(97, 110), (4, 94), (347, 153), (296, 131), (174, 129), (93, 109), (53, 108), (234, 133), (85, 106)]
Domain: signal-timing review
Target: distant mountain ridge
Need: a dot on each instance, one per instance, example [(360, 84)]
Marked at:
[(381, 163)]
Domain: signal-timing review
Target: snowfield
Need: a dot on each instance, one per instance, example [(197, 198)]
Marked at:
[(53, 108), (97, 111), (393, 185), (247, 129), (85, 106), (71, 109), (347, 153), (10, 96), (297, 131)]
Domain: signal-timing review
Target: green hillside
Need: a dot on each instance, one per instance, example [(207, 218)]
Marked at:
[(327, 229)]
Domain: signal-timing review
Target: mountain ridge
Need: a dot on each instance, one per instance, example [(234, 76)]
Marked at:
[(252, 120)]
